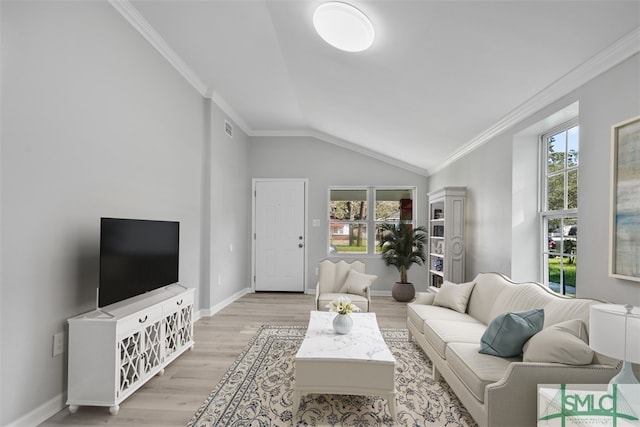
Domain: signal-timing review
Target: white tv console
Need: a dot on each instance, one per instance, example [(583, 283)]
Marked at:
[(115, 350)]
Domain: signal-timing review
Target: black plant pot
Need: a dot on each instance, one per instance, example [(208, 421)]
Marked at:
[(403, 292)]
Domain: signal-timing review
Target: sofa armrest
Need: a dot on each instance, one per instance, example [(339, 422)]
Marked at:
[(512, 400), (424, 298)]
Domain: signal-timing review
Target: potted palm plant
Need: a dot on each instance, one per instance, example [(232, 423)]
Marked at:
[(402, 245)]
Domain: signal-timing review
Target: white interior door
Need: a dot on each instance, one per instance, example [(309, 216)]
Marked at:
[(279, 235)]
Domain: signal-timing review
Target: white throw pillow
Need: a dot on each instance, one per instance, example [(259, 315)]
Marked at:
[(454, 296), (357, 283), (564, 342)]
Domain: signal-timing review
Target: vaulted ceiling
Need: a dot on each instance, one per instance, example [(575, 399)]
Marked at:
[(441, 78)]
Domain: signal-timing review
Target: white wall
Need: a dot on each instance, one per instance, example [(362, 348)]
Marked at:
[(95, 123), (327, 165), (486, 172), (607, 99), (230, 212)]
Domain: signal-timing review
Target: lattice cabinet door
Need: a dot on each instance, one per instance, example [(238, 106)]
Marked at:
[(152, 345), (129, 349), (171, 326), (139, 350), (178, 325), (185, 332)]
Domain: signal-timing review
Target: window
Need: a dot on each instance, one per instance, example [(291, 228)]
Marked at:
[(559, 212), (352, 230), (348, 211)]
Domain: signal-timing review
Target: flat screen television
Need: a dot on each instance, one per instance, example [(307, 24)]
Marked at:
[(136, 256)]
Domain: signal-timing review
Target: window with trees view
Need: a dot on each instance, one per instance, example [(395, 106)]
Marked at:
[(559, 214), (352, 229)]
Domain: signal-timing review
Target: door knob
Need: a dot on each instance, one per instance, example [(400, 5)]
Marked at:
[(299, 237), (299, 245)]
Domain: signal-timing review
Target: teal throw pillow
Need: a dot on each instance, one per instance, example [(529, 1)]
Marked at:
[(508, 332)]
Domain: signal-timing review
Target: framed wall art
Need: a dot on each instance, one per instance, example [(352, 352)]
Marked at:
[(624, 262)]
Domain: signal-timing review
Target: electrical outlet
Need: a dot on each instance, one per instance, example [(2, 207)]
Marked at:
[(58, 344)]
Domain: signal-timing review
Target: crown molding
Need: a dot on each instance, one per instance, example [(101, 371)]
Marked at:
[(608, 58), (368, 152), (346, 145), (132, 15), (229, 111), (619, 51), (137, 21)]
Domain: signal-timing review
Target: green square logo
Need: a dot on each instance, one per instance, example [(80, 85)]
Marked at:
[(579, 405)]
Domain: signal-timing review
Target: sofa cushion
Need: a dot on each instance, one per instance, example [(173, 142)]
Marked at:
[(485, 292), (564, 342), (521, 297), (454, 296), (561, 309), (439, 333), (357, 283), (475, 369), (418, 313), (507, 333)]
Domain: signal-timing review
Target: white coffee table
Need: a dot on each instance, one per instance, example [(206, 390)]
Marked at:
[(359, 363)]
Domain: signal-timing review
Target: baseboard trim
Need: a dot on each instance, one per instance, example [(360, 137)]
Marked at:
[(41, 413), (373, 293), (380, 293), (208, 312)]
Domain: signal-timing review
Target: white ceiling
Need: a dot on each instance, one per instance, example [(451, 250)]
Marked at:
[(440, 78)]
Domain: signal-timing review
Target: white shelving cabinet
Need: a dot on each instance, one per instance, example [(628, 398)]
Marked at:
[(113, 351), (446, 235)]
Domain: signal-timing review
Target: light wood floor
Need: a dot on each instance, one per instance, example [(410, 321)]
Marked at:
[(172, 399)]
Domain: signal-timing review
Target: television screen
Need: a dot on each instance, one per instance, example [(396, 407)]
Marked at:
[(136, 256)]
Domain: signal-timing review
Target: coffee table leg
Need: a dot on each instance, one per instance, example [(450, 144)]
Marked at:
[(296, 402), (391, 400)]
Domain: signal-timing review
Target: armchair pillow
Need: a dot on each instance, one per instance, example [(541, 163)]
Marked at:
[(454, 296), (564, 342), (507, 333), (357, 283)]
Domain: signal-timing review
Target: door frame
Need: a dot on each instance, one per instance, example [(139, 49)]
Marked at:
[(254, 181)]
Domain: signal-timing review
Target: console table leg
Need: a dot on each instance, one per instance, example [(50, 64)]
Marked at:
[(114, 409), (73, 408)]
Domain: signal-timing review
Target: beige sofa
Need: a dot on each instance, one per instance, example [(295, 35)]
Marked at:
[(502, 391)]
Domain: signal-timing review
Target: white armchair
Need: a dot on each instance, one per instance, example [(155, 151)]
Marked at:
[(343, 278)]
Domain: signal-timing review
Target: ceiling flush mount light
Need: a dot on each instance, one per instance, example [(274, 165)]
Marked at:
[(343, 26)]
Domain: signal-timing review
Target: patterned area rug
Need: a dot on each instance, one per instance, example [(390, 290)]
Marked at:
[(258, 390)]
